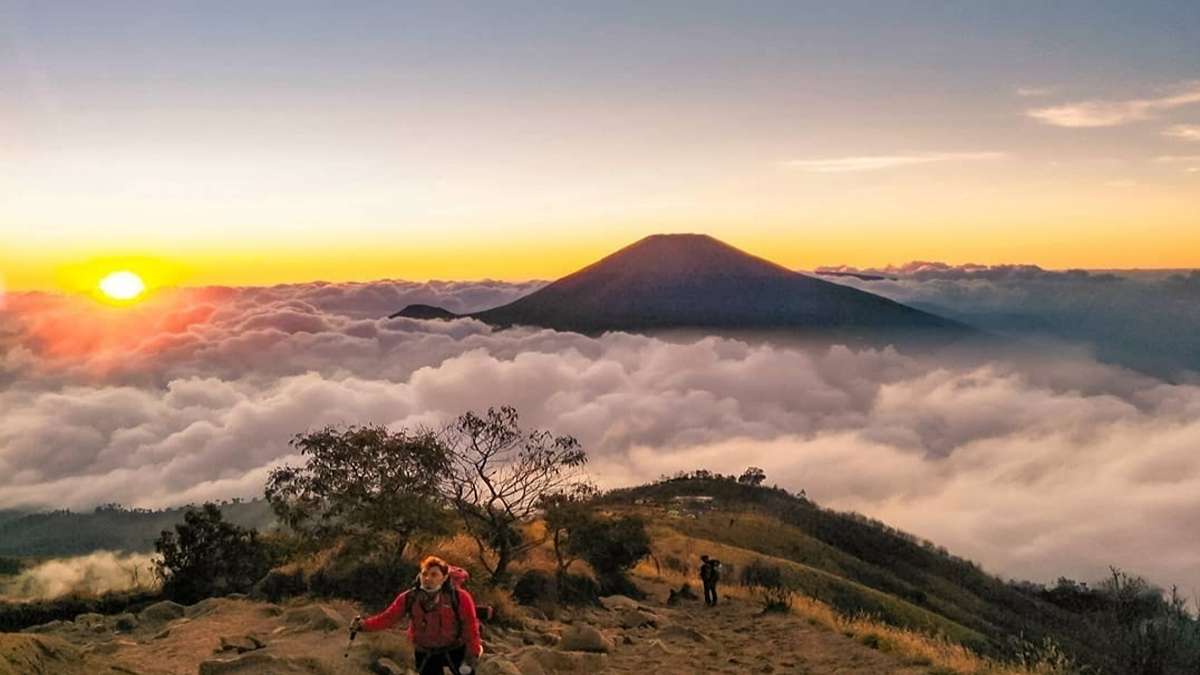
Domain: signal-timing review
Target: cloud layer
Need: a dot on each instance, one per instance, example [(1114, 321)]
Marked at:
[(1036, 465), (1141, 320)]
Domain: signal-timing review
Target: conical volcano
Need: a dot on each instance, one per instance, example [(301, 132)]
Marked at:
[(693, 281)]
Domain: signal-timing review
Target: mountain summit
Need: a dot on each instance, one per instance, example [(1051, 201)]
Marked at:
[(693, 281)]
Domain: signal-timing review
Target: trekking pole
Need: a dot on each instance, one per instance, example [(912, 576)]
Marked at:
[(350, 642)]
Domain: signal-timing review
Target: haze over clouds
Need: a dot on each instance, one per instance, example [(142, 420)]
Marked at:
[(99, 572), (1036, 466), (1143, 320)]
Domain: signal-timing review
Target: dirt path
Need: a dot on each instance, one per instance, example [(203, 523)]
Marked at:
[(742, 640), (642, 637)]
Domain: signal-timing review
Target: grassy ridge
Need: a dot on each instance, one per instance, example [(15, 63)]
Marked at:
[(860, 566)]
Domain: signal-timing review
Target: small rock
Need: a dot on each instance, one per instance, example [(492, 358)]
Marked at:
[(584, 638), (90, 620), (166, 632)]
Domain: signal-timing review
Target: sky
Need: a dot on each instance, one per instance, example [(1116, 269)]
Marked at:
[(223, 143)]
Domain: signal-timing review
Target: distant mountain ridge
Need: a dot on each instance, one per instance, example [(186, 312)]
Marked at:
[(693, 281)]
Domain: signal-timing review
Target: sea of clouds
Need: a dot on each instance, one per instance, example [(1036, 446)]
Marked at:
[(1037, 465)]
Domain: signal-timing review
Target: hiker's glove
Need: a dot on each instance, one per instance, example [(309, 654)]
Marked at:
[(465, 669)]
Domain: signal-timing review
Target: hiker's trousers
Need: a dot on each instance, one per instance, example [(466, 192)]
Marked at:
[(436, 663)]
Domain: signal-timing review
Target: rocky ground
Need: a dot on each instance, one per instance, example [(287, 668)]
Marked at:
[(241, 636)]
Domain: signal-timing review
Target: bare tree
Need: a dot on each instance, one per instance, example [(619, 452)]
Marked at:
[(499, 473)]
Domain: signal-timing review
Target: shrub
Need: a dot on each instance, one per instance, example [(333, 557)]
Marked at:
[(206, 556), (759, 573), (772, 589), (676, 564), (372, 580), (612, 547), (540, 589)]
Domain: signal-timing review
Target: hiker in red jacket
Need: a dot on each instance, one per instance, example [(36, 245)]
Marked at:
[(443, 629)]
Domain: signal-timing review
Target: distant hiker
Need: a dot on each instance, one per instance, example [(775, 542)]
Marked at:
[(710, 574), (443, 627)]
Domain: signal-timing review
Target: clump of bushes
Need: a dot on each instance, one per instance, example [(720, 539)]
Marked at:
[(770, 586), (206, 556)]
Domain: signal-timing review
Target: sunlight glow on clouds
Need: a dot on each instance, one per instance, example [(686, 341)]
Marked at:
[(1187, 132), (1101, 113), (878, 162)]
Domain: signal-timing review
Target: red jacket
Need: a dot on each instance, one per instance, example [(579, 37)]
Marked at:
[(437, 628)]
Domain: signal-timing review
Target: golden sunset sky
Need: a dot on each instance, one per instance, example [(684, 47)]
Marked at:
[(220, 144)]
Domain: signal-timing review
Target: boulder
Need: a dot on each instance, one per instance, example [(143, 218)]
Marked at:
[(499, 665), (555, 661), (203, 608), (618, 602), (50, 627), (240, 644), (584, 638), (635, 618), (315, 617), (124, 622), (528, 664), (161, 612)]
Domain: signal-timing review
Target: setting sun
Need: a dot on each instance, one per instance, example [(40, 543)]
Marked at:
[(123, 285)]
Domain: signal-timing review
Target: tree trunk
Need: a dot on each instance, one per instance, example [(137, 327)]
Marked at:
[(503, 557)]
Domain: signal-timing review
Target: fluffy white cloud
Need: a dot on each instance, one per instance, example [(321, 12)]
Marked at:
[(1035, 464)]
